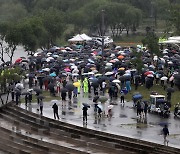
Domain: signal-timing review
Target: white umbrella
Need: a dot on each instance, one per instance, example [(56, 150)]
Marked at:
[(150, 75), (46, 69), (19, 86), (116, 81), (75, 74), (164, 78), (110, 106), (90, 73), (55, 101), (109, 73), (109, 64)]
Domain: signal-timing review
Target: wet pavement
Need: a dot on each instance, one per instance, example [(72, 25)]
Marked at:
[(123, 122)]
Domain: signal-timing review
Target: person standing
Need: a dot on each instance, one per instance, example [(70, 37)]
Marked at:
[(85, 85), (165, 132), (85, 108), (122, 97), (55, 110)]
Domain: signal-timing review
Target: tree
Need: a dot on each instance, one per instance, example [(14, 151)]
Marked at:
[(8, 76), (151, 41), (175, 18), (10, 38)]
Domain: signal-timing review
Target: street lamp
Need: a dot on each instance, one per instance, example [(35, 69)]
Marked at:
[(102, 35)]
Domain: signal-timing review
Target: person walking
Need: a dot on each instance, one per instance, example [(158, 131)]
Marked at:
[(165, 132), (55, 110), (41, 106)]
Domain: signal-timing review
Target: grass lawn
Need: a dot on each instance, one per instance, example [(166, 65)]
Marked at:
[(146, 94)]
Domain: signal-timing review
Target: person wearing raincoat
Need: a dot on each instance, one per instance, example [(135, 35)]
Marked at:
[(79, 87), (128, 86), (85, 85)]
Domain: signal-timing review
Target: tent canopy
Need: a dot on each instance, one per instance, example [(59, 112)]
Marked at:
[(80, 38)]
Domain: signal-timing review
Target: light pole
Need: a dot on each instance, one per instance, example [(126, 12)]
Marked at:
[(102, 35)]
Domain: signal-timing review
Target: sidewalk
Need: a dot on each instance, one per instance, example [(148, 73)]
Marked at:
[(124, 121)]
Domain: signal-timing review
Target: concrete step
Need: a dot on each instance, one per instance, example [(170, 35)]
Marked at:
[(121, 141)]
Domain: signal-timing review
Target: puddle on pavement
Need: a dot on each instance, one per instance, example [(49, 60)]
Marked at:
[(175, 136), (123, 116), (134, 125)]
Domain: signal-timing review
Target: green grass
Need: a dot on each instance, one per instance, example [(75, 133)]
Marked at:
[(146, 94), (47, 98)]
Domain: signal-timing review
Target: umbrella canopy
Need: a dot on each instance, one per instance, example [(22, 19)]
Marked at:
[(95, 98), (109, 73), (76, 84), (164, 78), (40, 97), (95, 84), (55, 101), (25, 93), (110, 106), (51, 86), (103, 99), (86, 105), (37, 90), (116, 81), (170, 90), (64, 90), (52, 74), (70, 87)]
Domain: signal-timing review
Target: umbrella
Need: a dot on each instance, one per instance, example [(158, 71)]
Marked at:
[(120, 57), (52, 74), (95, 84), (55, 101), (100, 106), (93, 79), (25, 93), (37, 90), (109, 73), (121, 69), (51, 86), (40, 97), (116, 81), (150, 75), (64, 90), (164, 78), (70, 87), (170, 90), (46, 69), (110, 106), (76, 84), (86, 105), (19, 86), (103, 99), (47, 78), (19, 60), (95, 98)]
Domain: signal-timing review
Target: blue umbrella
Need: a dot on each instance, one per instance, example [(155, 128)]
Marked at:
[(53, 74)]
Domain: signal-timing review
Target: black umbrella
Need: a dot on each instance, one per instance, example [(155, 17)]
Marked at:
[(37, 90), (70, 87), (95, 84), (64, 90), (40, 97), (51, 86), (95, 98), (170, 90), (25, 93), (47, 78), (86, 105)]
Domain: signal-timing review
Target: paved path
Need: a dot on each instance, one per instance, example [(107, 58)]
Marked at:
[(124, 120)]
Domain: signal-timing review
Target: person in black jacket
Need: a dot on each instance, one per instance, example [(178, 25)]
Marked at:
[(165, 132), (55, 110)]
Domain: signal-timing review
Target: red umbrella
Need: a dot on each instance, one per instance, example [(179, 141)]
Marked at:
[(147, 73), (19, 60)]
